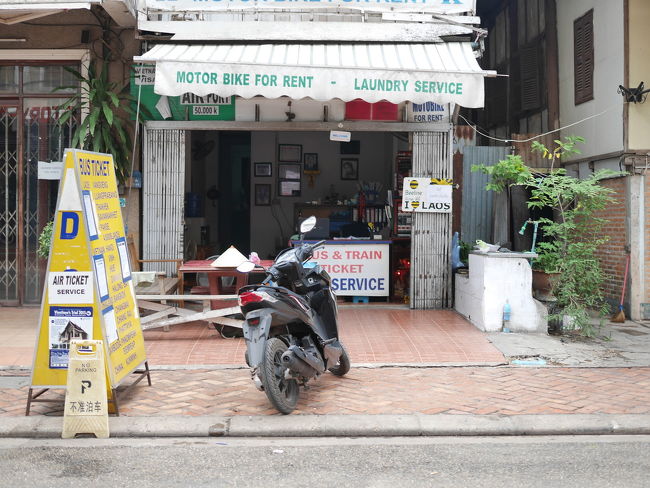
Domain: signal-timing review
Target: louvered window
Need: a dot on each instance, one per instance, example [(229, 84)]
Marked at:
[(583, 45), (530, 78)]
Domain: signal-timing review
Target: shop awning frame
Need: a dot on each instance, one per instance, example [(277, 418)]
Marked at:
[(16, 12), (396, 72)]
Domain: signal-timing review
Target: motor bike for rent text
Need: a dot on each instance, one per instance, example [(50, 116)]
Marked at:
[(290, 325)]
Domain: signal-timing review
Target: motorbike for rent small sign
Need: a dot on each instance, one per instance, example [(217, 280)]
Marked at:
[(427, 195), (357, 269)]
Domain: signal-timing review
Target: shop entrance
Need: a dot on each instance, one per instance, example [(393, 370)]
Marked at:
[(31, 139), (293, 174)]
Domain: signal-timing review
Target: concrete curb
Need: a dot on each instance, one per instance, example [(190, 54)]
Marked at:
[(343, 426)]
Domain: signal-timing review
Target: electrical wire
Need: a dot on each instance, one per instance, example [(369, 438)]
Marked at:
[(474, 127)]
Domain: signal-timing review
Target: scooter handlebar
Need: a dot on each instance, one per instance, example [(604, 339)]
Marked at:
[(306, 251), (302, 254)]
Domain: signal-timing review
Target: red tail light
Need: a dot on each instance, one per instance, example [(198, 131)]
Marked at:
[(249, 297)]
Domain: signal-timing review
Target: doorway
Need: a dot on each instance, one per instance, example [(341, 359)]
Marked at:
[(234, 186), (30, 135)]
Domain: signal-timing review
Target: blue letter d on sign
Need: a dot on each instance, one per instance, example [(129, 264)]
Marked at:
[(69, 219)]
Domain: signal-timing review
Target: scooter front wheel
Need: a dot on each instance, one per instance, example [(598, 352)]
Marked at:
[(282, 392)]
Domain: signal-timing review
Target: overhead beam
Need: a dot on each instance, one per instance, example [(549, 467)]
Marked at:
[(304, 31)]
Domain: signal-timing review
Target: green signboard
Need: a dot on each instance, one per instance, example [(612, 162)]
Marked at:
[(184, 107)]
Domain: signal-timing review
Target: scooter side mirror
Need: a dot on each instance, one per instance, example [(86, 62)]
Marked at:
[(308, 224), (246, 267)]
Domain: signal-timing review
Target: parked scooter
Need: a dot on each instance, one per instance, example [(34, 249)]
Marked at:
[(290, 325)]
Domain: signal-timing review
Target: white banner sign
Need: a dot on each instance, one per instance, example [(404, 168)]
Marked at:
[(426, 195), (356, 269), (434, 6), (50, 171), (247, 81), (70, 287)]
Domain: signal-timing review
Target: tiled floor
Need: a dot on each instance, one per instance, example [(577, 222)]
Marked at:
[(371, 334)]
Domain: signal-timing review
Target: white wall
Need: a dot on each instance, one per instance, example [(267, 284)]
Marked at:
[(375, 164), (493, 280), (603, 134)]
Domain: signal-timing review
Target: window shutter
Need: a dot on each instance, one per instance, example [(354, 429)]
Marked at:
[(583, 49), (530, 83)]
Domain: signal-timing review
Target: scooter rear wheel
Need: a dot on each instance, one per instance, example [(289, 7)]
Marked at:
[(282, 392), (343, 366)]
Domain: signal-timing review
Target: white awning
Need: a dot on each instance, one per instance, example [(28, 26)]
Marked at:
[(16, 11), (441, 72)]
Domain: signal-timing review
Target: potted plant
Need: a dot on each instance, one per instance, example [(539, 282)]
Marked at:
[(546, 268)]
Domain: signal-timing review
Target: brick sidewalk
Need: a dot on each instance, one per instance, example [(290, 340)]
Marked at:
[(503, 390)]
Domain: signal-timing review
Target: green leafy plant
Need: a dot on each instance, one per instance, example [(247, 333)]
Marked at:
[(506, 173), (465, 248), (106, 128), (573, 236), (45, 240)]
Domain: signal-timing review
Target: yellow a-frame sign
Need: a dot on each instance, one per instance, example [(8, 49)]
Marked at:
[(88, 292)]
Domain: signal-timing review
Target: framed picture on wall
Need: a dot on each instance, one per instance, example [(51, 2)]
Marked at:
[(290, 188), (262, 194), (311, 162), (289, 171), (289, 180), (352, 147), (349, 169), (263, 169), (290, 153)]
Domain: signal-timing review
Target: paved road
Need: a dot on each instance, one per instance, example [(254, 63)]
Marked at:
[(504, 390), (385, 462)]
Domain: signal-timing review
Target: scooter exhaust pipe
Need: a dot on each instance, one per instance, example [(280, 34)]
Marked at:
[(297, 365)]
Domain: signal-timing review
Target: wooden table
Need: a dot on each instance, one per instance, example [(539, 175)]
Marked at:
[(214, 278)]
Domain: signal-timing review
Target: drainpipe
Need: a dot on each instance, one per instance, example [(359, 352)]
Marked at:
[(636, 230)]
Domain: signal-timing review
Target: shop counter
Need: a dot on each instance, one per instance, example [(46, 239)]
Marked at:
[(358, 267)]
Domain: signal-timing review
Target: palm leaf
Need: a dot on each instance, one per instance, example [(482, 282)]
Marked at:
[(114, 98), (108, 113)]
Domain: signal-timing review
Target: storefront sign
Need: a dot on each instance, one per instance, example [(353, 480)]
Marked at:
[(89, 293), (247, 81), (356, 269), (427, 195), (428, 112), (436, 6), (340, 135), (70, 287), (187, 106)]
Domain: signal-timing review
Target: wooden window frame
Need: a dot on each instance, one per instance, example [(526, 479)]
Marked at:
[(583, 57)]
